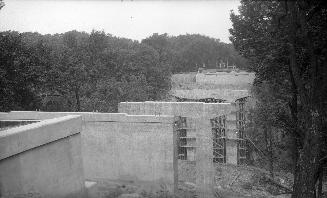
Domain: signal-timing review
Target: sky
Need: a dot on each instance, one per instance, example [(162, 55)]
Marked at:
[(135, 19)]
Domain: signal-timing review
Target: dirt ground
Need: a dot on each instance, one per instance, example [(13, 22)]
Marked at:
[(237, 181), (230, 181), (126, 189)]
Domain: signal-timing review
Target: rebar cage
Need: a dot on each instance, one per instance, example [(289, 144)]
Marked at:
[(218, 128), (240, 124), (185, 139)]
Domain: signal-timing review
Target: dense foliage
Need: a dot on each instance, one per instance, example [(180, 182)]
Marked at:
[(285, 42), (78, 71), (186, 53)]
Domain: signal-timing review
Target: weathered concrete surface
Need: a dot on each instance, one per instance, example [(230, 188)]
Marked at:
[(129, 151), (121, 146), (42, 159)]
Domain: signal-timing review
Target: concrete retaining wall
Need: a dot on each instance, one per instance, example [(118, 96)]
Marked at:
[(225, 78), (42, 159), (118, 146)]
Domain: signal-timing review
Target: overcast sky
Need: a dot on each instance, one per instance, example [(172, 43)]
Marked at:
[(131, 19)]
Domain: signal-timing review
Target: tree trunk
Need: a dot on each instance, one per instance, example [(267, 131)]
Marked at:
[(307, 167), (320, 177), (271, 154), (78, 104), (268, 143)]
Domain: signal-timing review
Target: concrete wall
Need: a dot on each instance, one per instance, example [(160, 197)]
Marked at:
[(118, 146), (42, 159), (132, 150), (191, 110), (225, 78)]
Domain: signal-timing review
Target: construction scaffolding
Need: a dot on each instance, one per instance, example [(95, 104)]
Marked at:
[(229, 143), (240, 123), (218, 126), (186, 140)]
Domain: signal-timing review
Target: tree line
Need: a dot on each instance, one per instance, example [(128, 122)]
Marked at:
[(286, 45), (187, 53), (79, 71)]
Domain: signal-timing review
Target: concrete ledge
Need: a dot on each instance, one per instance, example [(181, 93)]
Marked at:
[(86, 116), (149, 118), (39, 115), (20, 139), (7, 124)]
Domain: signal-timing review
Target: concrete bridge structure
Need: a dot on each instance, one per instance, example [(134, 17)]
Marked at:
[(56, 152)]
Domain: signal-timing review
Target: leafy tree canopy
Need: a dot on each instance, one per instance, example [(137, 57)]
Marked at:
[(285, 42)]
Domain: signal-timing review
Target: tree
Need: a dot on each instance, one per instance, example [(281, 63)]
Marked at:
[(67, 73), (78, 68), (286, 45), (266, 132), (18, 74)]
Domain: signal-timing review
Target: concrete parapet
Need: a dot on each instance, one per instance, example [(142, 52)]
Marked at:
[(20, 139), (86, 116), (7, 124), (120, 146), (42, 159), (34, 115)]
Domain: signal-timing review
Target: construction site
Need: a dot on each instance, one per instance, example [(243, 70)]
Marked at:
[(196, 147)]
